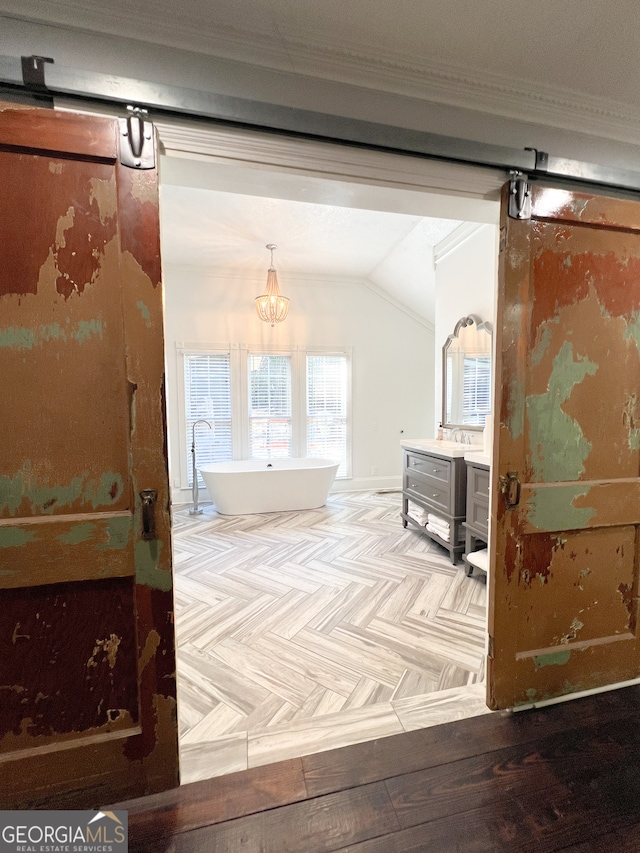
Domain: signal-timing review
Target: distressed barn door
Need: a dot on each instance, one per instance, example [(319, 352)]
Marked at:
[(87, 681), (564, 593)]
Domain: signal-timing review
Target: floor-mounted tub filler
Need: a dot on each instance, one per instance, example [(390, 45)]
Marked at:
[(270, 485)]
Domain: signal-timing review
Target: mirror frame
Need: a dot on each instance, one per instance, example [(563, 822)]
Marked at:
[(463, 322)]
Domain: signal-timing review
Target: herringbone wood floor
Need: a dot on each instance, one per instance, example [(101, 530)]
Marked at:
[(303, 631)]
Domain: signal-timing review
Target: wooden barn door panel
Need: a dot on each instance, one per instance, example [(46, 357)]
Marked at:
[(87, 681), (564, 596)]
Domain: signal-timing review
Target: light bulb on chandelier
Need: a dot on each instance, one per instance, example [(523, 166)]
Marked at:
[(272, 307)]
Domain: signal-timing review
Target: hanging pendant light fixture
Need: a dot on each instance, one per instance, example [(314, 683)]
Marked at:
[(271, 306)]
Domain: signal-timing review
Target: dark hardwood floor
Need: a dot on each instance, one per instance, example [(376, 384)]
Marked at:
[(566, 777)]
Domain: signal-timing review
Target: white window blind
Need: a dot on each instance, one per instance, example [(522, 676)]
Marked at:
[(477, 388), (207, 383), (270, 434), (327, 408)]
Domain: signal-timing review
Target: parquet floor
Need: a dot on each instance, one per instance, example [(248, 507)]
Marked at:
[(300, 632)]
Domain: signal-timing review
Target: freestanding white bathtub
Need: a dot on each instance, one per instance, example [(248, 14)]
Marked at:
[(270, 485)]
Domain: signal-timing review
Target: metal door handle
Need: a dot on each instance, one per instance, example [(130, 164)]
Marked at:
[(149, 498), (510, 488)]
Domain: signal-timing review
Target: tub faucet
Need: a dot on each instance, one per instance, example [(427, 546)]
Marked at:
[(196, 510)]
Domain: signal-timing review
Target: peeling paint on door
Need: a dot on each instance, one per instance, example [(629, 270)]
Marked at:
[(631, 419), (555, 509), (118, 533), (23, 487), (103, 193), (558, 445), (80, 339), (109, 648), (15, 537), (148, 571), (553, 659), (632, 332), (144, 311), (26, 339), (572, 634), (566, 575), (78, 533)]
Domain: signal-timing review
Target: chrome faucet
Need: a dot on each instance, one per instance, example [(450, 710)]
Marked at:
[(457, 435), (194, 491)]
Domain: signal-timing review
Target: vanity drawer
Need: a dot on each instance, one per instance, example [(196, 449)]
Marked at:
[(478, 515), (478, 480), (432, 466), (429, 491)]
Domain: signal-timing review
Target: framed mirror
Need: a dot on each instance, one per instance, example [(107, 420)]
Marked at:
[(466, 374)]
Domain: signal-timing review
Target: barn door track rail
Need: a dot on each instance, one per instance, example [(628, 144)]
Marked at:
[(41, 78)]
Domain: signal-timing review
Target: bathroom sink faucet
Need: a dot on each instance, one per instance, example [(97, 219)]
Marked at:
[(457, 435)]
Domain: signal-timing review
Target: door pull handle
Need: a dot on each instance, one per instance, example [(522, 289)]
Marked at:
[(149, 498), (510, 488)]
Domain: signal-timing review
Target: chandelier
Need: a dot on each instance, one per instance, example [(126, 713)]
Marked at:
[(271, 306)]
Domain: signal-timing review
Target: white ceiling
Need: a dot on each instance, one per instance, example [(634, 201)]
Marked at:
[(228, 231), (222, 217), (573, 64), (223, 229)]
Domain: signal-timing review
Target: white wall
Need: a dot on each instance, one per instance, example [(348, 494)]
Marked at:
[(466, 283), (392, 355)]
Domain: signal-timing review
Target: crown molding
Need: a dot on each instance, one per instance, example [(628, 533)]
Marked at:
[(256, 280), (399, 306), (471, 89), (288, 52), (452, 242), (259, 277), (410, 76)]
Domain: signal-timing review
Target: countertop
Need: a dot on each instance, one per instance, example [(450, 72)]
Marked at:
[(478, 456), (450, 449)]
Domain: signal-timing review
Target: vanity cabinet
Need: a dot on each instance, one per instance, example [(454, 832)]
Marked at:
[(435, 484), (477, 521)]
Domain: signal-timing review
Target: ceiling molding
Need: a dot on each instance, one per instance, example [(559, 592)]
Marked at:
[(283, 50), (469, 88), (452, 242), (418, 318), (308, 280), (285, 278)]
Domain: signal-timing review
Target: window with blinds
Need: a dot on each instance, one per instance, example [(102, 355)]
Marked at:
[(477, 389), (327, 408), (207, 383), (270, 428)]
